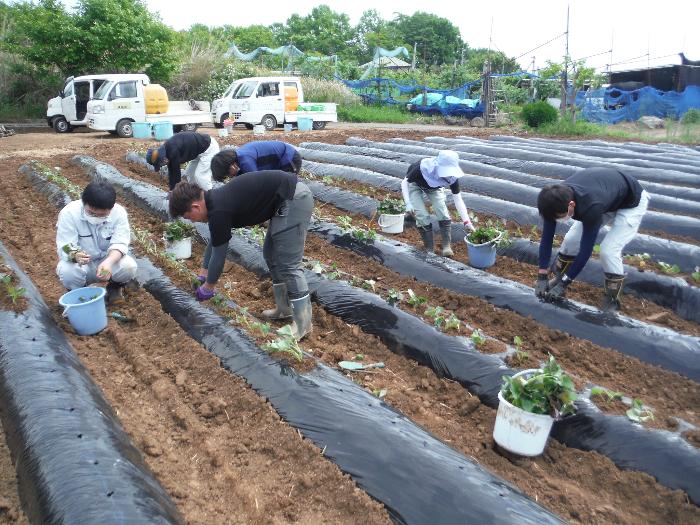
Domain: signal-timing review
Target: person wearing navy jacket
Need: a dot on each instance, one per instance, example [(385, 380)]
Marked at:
[(255, 156), (593, 198)]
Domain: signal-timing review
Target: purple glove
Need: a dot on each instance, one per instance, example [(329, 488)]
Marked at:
[(204, 294), (199, 280)]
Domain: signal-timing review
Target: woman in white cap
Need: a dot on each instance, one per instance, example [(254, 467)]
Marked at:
[(429, 177)]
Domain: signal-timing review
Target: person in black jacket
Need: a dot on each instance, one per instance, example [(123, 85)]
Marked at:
[(255, 156), (197, 149), (593, 198), (247, 200)]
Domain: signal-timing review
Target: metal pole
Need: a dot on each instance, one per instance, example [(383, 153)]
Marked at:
[(566, 65)]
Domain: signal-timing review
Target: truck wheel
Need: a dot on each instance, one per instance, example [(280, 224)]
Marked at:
[(124, 129), (60, 124), (188, 127), (318, 125), (220, 124), (248, 126), (269, 121)]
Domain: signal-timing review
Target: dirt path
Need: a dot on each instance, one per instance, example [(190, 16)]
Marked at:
[(581, 487), (219, 449)]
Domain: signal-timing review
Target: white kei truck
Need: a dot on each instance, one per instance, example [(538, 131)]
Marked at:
[(273, 101), (121, 100), (69, 109)]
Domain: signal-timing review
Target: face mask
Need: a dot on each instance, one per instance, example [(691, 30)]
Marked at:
[(95, 221)]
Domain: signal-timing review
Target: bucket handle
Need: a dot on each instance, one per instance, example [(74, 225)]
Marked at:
[(384, 225), (66, 308)]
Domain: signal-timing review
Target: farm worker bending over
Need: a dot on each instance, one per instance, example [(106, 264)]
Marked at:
[(187, 146), (247, 200), (92, 239), (593, 198), (255, 156), (430, 177)]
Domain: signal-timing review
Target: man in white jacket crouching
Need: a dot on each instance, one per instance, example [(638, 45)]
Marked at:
[(92, 239)]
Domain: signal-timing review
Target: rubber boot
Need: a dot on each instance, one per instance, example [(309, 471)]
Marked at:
[(426, 233), (446, 234), (115, 293), (561, 264), (283, 310), (612, 287), (301, 312)]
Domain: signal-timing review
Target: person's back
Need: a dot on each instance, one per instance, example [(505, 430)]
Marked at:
[(264, 155), (602, 190)]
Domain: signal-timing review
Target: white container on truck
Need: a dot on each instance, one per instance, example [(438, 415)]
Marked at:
[(272, 102), (69, 109), (121, 101)]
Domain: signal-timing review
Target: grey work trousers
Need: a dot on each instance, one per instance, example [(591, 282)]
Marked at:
[(283, 248)]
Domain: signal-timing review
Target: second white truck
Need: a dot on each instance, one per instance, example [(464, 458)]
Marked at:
[(274, 101), (122, 100)]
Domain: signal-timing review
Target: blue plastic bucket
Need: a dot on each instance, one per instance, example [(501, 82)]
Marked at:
[(482, 255), (141, 130), (85, 309), (162, 130), (305, 124)]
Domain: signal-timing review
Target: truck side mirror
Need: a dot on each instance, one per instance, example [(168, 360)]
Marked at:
[(60, 93)]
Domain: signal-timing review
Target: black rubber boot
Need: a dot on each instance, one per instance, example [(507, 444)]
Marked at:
[(115, 293), (612, 287), (426, 233), (283, 308), (561, 264), (446, 234)]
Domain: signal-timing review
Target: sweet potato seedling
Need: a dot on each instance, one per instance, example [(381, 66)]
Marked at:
[(639, 413), (478, 338)]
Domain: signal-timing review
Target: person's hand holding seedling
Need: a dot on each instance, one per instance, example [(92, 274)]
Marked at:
[(104, 271), (81, 257)]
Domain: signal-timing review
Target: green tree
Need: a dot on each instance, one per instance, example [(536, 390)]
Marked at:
[(115, 36), (438, 40), (323, 31)]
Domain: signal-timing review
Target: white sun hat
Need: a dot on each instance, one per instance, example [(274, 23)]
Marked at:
[(445, 165)]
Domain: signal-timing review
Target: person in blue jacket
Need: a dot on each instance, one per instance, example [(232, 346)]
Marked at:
[(593, 198), (255, 156)]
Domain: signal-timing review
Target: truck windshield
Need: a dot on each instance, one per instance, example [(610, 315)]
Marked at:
[(104, 89), (246, 89), (231, 90)]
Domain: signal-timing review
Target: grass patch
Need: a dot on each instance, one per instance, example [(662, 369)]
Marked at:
[(15, 112), (567, 127), (363, 113)]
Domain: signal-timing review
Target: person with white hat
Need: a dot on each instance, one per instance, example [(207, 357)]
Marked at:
[(429, 177)]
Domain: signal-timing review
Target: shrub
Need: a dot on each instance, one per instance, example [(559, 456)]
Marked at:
[(318, 90), (567, 127), (538, 113), (692, 116), (371, 113)]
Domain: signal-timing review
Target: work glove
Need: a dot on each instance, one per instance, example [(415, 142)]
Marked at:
[(541, 285), (198, 281), (204, 294), (556, 288), (468, 226)]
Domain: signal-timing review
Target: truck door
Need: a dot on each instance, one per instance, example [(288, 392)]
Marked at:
[(82, 95), (270, 100), (68, 101), (124, 101)]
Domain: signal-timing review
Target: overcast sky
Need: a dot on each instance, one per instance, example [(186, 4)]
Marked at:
[(635, 31)]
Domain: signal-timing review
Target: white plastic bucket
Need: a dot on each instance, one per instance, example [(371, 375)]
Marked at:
[(258, 129), (223, 132), (518, 431), (85, 309), (181, 249), (288, 128), (391, 223)]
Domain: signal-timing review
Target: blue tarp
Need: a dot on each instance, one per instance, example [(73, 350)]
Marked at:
[(612, 105)]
